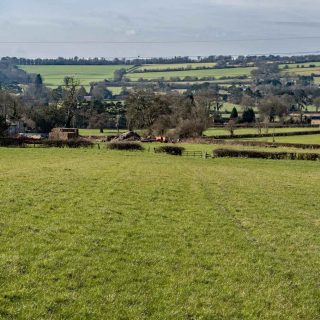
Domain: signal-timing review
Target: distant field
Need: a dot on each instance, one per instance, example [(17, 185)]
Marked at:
[(96, 132), (215, 131), (175, 66), (217, 73), (97, 234), (305, 65), (53, 75)]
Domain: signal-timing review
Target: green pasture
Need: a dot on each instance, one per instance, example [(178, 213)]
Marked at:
[(217, 73), (97, 234), (53, 76), (305, 139), (96, 132), (303, 65)]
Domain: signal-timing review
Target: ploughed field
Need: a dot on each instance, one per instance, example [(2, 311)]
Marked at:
[(97, 234)]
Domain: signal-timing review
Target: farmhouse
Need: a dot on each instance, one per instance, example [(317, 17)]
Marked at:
[(63, 134)]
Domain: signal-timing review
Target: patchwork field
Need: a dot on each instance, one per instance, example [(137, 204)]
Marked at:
[(96, 234)]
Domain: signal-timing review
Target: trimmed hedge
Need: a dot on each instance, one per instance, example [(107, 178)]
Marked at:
[(11, 142), (67, 144), (265, 155), (173, 150), (263, 135), (267, 144), (133, 146)]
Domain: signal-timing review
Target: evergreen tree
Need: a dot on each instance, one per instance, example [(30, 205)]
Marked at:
[(248, 116), (234, 113)]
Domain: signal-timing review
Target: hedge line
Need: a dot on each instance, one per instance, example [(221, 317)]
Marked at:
[(116, 145), (263, 135), (220, 153), (12, 142), (267, 144), (173, 150), (67, 144)]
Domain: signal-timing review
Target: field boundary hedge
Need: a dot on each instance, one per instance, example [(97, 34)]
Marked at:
[(263, 135), (267, 144), (13, 142), (221, 153)]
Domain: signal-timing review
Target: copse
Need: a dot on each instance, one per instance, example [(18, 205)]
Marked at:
[(180, 115)]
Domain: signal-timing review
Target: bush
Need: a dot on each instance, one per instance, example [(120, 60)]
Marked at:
[(67, 144), (173, 150), (134, 146)]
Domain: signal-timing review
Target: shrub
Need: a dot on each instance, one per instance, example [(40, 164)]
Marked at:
[(134, 146), (173, 150), (67, 144)]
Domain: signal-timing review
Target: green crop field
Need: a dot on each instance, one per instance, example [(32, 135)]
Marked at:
[(53, 75), (218, 73), (96, 234)]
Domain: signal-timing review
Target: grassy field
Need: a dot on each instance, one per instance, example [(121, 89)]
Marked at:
[(217, 73), (307, 139), (95, 234), (96, 132), (53, 75), (239, 131)]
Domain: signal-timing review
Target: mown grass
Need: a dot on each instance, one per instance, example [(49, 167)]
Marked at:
[(95, 234)]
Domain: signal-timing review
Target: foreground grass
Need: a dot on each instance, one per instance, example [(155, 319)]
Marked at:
[(95, 234)]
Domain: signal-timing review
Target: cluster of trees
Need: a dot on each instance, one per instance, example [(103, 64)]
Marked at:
[(172, 114), (42, 109), (11, 77)]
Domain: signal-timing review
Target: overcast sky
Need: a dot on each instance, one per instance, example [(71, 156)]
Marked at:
[(225, 27)]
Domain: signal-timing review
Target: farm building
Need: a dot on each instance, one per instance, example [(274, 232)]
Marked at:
[(64, 134), (15, 127), (313, 117), (315, 120)]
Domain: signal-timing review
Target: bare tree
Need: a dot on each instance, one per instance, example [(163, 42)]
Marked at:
[(70, 100)]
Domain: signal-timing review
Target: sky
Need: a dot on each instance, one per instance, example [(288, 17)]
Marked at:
[(149, 28)]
